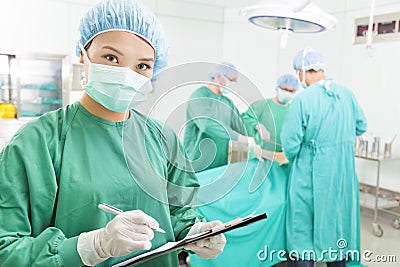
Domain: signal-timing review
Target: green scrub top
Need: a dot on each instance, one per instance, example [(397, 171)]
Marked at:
[(318, 136), (271, 115), (58, 168), (212, 121)]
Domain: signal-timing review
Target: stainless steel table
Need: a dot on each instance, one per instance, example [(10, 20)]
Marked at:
[(392, 198)]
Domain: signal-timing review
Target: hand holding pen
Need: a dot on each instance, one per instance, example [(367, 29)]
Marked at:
[(113, 210), (127, 232)]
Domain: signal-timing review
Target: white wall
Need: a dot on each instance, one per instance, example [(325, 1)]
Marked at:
[(194, 32), (50, 26), (372, 75)]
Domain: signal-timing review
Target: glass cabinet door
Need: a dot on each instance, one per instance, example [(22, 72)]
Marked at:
[(7, 79), (41, 85)]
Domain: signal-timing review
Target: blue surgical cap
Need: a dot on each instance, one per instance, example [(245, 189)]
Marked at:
[(309, 59), (225, 69), (288, 80), (125, 15)]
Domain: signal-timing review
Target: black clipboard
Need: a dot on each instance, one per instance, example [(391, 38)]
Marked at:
[(173, 246)]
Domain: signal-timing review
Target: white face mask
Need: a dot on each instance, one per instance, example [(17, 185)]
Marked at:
[(116, 88), (303, 81), (228, 87), (285, 96), (224, 91)]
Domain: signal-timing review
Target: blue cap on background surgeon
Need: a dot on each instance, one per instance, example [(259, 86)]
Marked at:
[(305, 60), (224, 74), (286, 87)]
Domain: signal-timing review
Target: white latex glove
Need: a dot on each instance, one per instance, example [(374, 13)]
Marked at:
[(210, 247), (267, 154), (280, 158), (127, 232), (249, 141), (265, 135), (258, 153)]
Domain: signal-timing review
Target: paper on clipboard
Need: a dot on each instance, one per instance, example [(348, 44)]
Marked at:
[(173, 246)]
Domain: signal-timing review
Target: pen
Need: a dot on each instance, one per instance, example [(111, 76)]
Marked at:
[(113, 210)]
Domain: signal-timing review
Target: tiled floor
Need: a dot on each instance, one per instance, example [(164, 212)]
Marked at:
[(387, 245)]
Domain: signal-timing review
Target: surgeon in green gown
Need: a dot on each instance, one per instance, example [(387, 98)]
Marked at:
[(261, 187), (265, 117), (323, 199), (57, 169), (213, 120)]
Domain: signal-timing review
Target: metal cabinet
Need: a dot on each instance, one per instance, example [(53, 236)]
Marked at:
[(43, 83), (8, 80), (37, 83)]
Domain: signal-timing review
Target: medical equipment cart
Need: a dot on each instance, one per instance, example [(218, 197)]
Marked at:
[(379, 199)]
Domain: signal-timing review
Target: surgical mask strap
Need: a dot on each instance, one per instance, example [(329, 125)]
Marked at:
[(326, 83), (305, 51), (84, 52)]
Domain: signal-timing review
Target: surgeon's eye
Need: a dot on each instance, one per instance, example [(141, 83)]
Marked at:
[(111, 58), (143, 67)]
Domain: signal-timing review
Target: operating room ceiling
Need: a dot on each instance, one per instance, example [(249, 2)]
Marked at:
[(224, 3)]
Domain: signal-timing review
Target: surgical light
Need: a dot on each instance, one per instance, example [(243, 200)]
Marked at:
[(297, 16)]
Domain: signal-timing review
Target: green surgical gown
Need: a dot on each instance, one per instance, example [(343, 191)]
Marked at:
[(58, 168), (318, 136), (212, 121), (271, 115)]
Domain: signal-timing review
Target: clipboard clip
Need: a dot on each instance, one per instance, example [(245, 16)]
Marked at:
[(232, 223)]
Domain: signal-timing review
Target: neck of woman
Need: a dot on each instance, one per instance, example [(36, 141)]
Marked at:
[(216, 89)]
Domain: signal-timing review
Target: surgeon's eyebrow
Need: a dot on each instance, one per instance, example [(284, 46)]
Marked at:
[(113, 49), (147, 59)]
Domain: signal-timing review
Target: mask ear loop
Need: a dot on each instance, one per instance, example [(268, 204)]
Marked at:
[(84, 51), (305, 51), (83, 81)]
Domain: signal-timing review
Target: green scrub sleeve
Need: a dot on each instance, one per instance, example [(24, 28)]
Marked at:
[(49, 248), (238, 124), (28, 193), (182, 187), (69, 253), (250, 120), (361, 121), (293, 130), (201, 110)]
